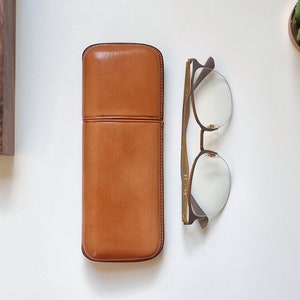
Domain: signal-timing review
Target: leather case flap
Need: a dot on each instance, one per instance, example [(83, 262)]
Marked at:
[(108, 71)]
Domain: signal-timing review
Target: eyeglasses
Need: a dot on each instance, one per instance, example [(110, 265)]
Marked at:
[(205, 175)]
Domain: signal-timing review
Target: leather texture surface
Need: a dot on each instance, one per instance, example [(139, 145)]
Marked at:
[(122, 152)]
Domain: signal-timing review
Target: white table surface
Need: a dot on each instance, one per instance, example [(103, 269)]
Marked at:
[(252, 251)]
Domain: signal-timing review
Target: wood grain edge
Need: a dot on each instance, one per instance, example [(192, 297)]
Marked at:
[(7, 75)]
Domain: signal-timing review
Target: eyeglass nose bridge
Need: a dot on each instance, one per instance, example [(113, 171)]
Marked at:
[(201, 139), (203, 129)]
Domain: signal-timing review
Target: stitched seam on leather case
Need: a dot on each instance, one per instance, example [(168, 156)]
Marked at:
[(117, 119), (121, 121), (161, 189)]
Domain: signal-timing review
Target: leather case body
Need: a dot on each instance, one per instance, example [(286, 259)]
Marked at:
[(122, 152)]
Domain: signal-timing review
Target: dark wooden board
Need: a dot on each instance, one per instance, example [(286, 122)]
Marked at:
[(7, 75)]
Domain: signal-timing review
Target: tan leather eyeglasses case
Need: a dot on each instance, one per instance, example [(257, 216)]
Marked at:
[(122, 152)]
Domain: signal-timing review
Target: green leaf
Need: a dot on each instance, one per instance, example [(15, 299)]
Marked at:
[(298, 36), (297, 13)]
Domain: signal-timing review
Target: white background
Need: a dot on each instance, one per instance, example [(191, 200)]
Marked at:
[(252, 251)]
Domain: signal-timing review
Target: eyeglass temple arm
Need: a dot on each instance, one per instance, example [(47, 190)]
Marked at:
[(186, 113), (184, 157)]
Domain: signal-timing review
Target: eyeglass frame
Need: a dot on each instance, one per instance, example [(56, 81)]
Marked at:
[(187, 176)]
